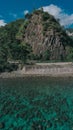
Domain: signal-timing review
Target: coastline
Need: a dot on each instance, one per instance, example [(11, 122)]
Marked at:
[(42, 69), (14, 75)]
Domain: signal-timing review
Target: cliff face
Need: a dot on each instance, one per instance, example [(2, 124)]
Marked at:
[(33, 34), (45, 35), (53, 42)]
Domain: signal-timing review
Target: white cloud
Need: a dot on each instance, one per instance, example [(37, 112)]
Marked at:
[(66, 19), (26, 12), (57, 12), (52, 9), (2, 23)]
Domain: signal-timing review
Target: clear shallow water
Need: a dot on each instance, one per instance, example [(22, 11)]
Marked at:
[(39, 103)]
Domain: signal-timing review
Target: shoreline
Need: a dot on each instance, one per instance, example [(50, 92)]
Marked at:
[(7, 75), (33, 76), (42, 70)]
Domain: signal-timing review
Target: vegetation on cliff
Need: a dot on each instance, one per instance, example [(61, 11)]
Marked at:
[(37, 37), (44, 33), (11, 48)]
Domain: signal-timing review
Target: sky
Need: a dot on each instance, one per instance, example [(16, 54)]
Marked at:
[(11, 10)]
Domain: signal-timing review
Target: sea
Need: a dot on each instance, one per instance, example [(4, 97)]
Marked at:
[(36, 103)]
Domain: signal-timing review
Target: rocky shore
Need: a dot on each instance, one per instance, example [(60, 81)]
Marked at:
[(42, 69)]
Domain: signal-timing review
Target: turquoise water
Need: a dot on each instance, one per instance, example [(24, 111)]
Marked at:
[(40, 103)]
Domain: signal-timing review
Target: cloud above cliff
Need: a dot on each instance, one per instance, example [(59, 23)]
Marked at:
[(26, 12), (59, 13), (2, 23)]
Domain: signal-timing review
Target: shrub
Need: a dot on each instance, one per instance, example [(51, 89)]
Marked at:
[(45, 16), (28, 16), (70, 55), (46, 55)]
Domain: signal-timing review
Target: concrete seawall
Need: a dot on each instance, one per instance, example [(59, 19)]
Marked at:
[(48, 68), (42, 69)]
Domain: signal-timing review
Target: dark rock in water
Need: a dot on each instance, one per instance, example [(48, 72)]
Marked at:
[(65, 118), (0, 115), (2, 125), (18, 128), (49, 124), (22, 115), (37, 126)]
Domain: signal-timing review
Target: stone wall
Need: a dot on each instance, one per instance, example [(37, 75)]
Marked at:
[(48, 69)]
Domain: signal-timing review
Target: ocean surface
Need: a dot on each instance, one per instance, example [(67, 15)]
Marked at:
[(37, 103)]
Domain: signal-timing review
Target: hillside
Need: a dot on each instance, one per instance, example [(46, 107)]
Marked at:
[(48, 39), (37, 37), (10, 48)]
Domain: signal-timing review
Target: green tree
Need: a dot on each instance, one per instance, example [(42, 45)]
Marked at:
[(47, 55), (70, 55), (25, 51)]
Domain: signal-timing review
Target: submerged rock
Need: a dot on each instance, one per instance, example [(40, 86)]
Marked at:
[(49, 124), (2, 125)]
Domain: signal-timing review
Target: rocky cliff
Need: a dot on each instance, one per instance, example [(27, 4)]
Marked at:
[(47, 38)]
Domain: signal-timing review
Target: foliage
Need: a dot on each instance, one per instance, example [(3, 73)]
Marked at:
[(22, 29), (10, 47), (70, 55), (37, 12), (12, 35), (49, 22), (28, 16), (7, 67), (47, 55), (25, 52), (46, 16), (8, 38)]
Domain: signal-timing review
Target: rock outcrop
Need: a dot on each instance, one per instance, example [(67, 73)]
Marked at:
[(47, 38)]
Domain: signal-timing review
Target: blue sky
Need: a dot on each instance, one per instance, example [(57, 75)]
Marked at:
[(14, 9)]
